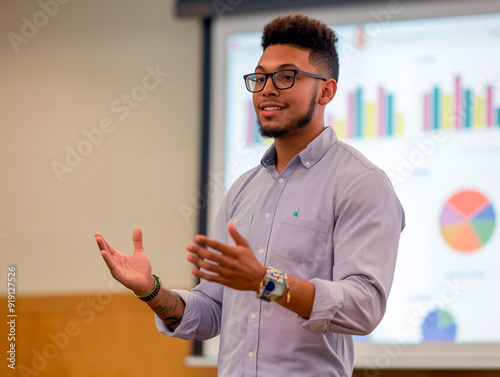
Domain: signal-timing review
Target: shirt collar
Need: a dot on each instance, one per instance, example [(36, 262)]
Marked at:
[(311, 154)]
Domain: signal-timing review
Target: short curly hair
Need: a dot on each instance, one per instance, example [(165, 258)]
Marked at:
[(307, 33)]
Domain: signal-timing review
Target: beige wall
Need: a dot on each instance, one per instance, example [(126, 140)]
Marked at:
[(63, 80)]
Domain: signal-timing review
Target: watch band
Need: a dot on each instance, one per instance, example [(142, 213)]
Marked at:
[(151, 295), (273, 285)]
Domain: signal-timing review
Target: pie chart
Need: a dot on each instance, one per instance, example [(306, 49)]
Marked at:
[(467, 221), (439, 326)]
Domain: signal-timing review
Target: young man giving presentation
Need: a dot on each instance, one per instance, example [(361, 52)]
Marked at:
[(303, 250)]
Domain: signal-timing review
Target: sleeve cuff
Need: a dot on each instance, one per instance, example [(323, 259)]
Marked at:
[(184, 330), (328, 299)]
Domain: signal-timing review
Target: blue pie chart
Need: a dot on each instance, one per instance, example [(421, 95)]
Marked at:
[(439, 326)]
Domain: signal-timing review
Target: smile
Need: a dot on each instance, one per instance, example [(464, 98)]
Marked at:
[(273, 108)]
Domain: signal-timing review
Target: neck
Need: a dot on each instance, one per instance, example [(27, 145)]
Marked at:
[(287, 147)]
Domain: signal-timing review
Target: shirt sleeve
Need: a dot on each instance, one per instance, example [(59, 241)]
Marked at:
[(368, 221), (202, 314)]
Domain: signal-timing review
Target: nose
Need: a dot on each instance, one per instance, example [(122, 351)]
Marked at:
[(270, 88)]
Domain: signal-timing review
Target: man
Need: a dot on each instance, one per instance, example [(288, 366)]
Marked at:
[(314, 228)]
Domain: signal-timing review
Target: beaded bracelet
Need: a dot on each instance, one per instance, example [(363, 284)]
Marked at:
[(272, 277), (288, 291)]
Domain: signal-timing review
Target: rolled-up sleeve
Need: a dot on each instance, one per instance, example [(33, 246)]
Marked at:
[(368, 221), (202, 315)]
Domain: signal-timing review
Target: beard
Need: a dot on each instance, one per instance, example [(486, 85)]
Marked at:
[(287, 129)]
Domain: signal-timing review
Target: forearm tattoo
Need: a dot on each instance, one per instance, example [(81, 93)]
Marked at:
[(166, 308)]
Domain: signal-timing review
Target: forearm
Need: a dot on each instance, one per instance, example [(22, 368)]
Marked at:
[(346, 302), (352, 306), (301, 297), (169, 307)]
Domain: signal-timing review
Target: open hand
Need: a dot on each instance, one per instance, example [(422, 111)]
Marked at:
[(233, 266), (133, 271)]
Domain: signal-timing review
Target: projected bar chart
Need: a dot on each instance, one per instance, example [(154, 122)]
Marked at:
[(461, 110), (369, 119)]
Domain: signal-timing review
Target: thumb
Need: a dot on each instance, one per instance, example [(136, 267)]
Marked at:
[(137, 237), (236, 236)]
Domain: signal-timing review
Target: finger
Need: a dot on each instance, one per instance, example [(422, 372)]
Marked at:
[(214, 244), (236, 236), (101, 243), (203, 253), (208, 266), (106, 244), (137, 238), (207, 276), (108, 259), (106, 255)]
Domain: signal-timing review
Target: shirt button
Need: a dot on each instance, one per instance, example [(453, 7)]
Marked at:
[(261, 251), (253, 316), (308, 164), (281, 180), (250, 354), (235, 220), (267, 215)]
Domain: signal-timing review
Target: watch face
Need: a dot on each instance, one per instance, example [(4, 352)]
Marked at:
[(275, 289)]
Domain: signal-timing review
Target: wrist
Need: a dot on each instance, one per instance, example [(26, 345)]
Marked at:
[(261, 277), (149, 288), (274, 285), (156, 290)]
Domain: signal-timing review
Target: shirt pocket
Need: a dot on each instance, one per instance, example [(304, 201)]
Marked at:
[(303, 240), (242, 224)]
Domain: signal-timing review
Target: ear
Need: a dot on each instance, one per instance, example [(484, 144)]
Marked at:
[(329, 90)]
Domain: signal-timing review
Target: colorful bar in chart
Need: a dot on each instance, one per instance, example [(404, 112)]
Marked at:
[(462, 109), (367, 119)]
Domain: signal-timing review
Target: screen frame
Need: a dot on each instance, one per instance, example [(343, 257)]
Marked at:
[(367, 356)]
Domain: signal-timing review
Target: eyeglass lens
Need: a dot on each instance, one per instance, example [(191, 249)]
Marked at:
[(281, 79)]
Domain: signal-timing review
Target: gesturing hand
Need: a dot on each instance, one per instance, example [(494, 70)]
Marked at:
[(133, 271), (235, 266)]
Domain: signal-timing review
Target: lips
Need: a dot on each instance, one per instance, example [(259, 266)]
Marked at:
[(269, 109)]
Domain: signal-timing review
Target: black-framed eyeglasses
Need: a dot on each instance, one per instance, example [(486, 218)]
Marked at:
[(284, 79)]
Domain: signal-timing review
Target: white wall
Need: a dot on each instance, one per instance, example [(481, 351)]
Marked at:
[(61, 79)]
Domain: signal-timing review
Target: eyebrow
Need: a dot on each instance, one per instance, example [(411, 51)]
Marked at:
[(280, 67)]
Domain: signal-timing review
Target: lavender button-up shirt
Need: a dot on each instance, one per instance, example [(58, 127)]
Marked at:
[(330, 217)]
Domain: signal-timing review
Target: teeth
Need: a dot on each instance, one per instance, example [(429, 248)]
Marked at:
[(272, 108)]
